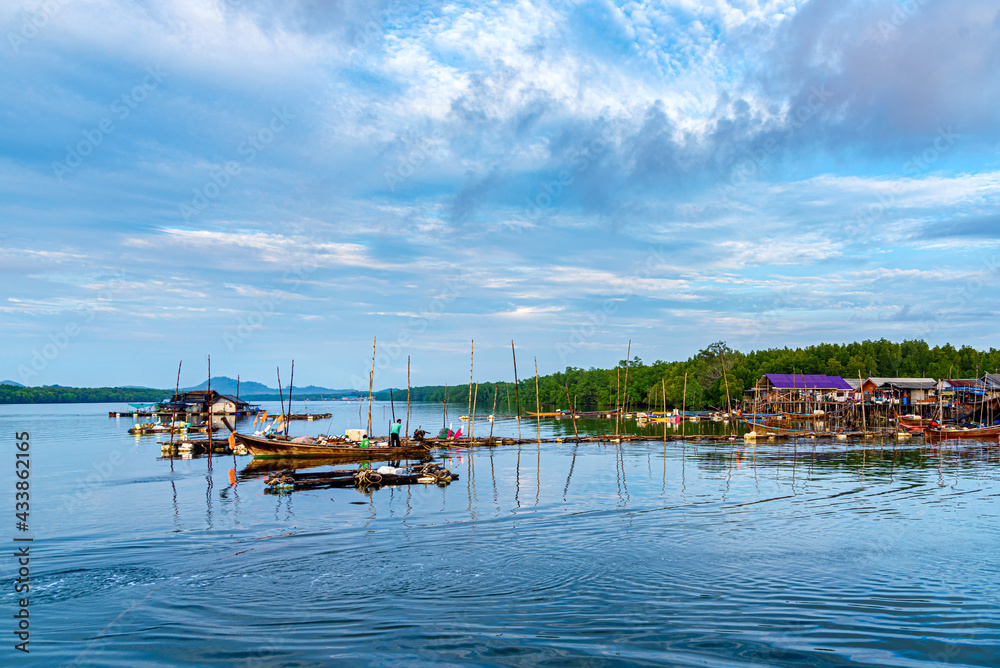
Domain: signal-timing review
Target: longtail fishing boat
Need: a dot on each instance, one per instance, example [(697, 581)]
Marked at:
[(954, 433), (768, 430), (268, 448)]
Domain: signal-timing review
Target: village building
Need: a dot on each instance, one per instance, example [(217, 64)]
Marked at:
[(785, 387), (904, 391), (201, 401)]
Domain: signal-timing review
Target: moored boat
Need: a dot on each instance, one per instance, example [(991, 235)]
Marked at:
[(277, 448), (954, 433)]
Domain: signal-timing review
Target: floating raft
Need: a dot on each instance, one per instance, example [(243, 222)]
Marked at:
[(150, 428), (429, 474), (308, 416)]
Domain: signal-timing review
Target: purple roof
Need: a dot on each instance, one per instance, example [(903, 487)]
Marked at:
[(790, 381)]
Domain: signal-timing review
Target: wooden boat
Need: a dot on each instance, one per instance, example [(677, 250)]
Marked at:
[(277, 448), (953, 434)]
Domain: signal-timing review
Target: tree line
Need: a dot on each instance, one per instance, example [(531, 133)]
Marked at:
[(702, 380)]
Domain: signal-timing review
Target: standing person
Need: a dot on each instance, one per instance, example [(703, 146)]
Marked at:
[(394, 433)]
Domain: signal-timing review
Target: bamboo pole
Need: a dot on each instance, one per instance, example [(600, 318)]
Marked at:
[(729, 404), (538, 408), (684, 406), (444, 408), (210, 402), (628, 354), (618, 400), (472, 352), (173, 415), (864, 426), (475, 398), (663, 384), (291, 381), (407, 394), (517, 395), (371, 384), (572, 413), (281, 394), (494, 414)]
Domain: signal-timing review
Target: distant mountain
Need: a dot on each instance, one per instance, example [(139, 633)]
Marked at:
[(249, 388), (10, 382)]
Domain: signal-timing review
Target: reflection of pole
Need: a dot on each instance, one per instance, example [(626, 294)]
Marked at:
[(517, 395)]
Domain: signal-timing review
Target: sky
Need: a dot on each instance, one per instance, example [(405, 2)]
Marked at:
[(263, 181)]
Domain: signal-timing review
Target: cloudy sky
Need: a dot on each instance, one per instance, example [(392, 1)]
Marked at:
[(262, 180)]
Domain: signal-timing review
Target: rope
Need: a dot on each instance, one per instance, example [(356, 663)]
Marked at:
[(367, 478)]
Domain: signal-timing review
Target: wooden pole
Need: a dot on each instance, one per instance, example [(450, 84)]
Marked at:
[(572, 412), (281, 394), (444, 408), (628, 354), (864, 426), (210, 402), (618, 399), (684, 406), (538, 408), (663, 384), (371, 383), (472, 416), (493, 415), (407, 394), (472, 352), (173, 415), (291, 381), (517, 396), (729, 405)]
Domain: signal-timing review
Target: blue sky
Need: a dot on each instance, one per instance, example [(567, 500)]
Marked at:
[(262, 181)]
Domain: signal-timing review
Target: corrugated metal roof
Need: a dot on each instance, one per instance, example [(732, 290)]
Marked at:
[(964, 382), (879, 382), (992, 380), (792, 381), (913, 384)]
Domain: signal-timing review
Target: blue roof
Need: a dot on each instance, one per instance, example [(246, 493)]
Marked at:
[(798, 381)]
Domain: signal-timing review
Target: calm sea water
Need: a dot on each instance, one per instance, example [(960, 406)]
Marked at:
[(714, 554)]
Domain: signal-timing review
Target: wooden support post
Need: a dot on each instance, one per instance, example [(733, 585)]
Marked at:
[(517, 396), (371, 385), (538, 408), (173, 415), (407, 394), (472, 352)]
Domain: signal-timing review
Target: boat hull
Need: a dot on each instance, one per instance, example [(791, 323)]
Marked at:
[(265, 448), (982, 433)]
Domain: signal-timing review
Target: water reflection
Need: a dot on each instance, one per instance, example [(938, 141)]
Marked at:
[(785, 553)]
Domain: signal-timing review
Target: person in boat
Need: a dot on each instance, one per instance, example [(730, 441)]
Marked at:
[(364, 441), (418, 434), (394, 433)]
